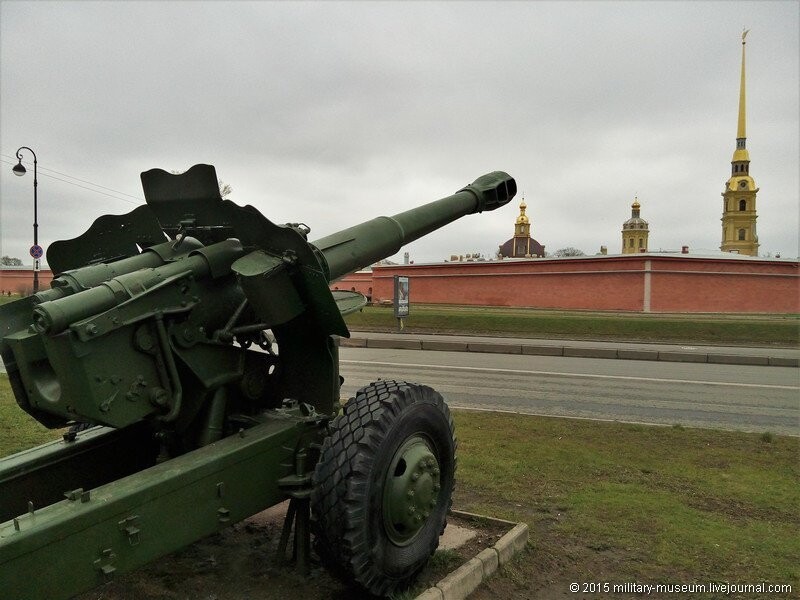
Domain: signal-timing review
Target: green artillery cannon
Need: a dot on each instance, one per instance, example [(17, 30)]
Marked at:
[(191, 347)]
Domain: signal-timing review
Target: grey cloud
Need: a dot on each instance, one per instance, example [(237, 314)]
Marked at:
[(331, 112)]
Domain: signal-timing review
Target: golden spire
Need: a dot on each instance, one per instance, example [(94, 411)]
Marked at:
[(740, 132), (741, 155)]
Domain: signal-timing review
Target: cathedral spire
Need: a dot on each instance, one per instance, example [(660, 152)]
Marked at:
[(741, 157), (741, 132), (739, 198)]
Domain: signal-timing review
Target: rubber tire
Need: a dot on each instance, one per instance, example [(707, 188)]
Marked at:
[(347, 499)]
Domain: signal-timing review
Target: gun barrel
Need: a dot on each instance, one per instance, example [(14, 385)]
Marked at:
[(364, 244)]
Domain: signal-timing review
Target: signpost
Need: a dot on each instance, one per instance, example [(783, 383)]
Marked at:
[(20, 170), (401, 289), (36, 253)]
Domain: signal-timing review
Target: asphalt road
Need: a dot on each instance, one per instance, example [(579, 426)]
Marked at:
[(734, 397), (744, 398)]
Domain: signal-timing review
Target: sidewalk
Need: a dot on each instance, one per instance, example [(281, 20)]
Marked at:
[(732, 355)]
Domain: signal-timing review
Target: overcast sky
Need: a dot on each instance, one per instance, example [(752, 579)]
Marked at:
[(333, 113)]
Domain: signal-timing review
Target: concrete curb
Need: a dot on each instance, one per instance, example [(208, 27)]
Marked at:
[(694, 357), (637, 354), (591, 352), (543, 350), (465, 579), (735, 359), (572, 351), (494, 348), (468, 516), (444, 346), (778, 361), (394, 343)]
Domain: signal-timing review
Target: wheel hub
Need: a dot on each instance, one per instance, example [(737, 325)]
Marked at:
[(411, 491)]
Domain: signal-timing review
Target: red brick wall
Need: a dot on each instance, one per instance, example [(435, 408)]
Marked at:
[(357, 282), (752, 287), (20, 281), (676, 284)]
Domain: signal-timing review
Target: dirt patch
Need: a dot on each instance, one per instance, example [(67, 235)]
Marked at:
[(241, 562), (546, 567)]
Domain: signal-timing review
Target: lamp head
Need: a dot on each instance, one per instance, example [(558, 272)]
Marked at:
[(19, 169)]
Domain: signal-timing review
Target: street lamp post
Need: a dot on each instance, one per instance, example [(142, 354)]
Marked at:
[(20, 170)]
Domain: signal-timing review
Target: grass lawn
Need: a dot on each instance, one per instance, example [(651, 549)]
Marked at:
[(618, 502), (749, 330), (6, 299), (607, 501), (18, 430)]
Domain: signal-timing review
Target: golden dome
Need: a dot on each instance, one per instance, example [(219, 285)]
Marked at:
[(636, 203), (522, 218)]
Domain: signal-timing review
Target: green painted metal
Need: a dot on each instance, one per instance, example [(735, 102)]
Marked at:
[(98, 325), (174, 300), (41, 475), (361, 245), (93, 535), (123, 236), (176, 347), (349, 302), (412, 490)]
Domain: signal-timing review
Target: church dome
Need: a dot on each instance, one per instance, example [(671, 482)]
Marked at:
[(522, 218), (522, 245), (635, 222)]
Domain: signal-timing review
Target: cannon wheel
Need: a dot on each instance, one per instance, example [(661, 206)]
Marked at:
[(383, 485)]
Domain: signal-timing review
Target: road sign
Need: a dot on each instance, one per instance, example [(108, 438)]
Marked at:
[(37, 251), (400, 296)]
